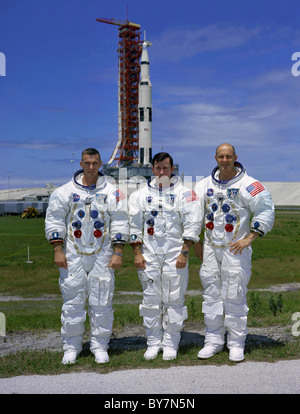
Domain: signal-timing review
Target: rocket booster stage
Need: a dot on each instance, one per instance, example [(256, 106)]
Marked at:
[(145, 109)]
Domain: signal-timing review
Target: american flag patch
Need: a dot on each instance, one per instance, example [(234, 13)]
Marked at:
[(119, 195), (255, 188), (190, 196)]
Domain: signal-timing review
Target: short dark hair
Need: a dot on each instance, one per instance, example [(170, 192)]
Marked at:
[(90, 151), (161, 156)]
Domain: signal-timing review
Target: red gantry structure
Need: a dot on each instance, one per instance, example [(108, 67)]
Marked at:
[(126, 151)]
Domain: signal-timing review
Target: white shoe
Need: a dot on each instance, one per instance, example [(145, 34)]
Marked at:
[(101, 356), (169, 353), (69, 357), (236, 354), (209, 350), (152, 352)]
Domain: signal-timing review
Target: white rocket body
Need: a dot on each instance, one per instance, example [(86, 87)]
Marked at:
[(145, 109)]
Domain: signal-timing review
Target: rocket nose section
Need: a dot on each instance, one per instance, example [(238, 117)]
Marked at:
[(145, 56)]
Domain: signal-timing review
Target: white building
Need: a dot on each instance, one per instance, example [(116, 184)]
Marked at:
[(14, 201)]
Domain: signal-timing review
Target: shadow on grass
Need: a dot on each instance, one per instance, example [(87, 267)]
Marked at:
[(189, 341)]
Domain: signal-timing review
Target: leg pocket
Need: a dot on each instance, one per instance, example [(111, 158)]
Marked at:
[(72, 286), (101, 289), (172, 288), (231, 285), (176, 317), (151, 288), (144, 279)]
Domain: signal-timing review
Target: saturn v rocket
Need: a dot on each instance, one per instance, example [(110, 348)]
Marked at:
[(145, 108)]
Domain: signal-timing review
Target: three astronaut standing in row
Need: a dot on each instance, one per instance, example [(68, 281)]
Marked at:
[(88, 222)]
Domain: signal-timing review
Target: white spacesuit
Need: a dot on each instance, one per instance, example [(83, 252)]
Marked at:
[(232, 209), (160, 219), (89, 220)]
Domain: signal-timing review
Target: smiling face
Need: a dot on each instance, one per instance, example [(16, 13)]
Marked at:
[(226, 157)]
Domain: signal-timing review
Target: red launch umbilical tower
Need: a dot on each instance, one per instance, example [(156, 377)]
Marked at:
[(127, 149)]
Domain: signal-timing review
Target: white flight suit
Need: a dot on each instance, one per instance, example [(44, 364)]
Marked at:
[(232, 208), (160, 219), (89, 220)]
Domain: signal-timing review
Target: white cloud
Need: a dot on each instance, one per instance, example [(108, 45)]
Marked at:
[(206, 124), (260, 111), (35, 145), (276, 77), (176, 44)]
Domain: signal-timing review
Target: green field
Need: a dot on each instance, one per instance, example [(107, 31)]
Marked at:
[(276, 260)]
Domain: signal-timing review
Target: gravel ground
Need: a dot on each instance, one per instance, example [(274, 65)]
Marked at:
[(133, 336)]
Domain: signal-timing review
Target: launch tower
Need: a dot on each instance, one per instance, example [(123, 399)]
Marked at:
[(133, 150), (126, 151)]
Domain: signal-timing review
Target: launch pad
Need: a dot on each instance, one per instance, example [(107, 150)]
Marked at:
[(132, 171)]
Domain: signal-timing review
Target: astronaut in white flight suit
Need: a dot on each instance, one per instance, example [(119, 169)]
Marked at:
[(165, 219), (238, 209), (87, 223)]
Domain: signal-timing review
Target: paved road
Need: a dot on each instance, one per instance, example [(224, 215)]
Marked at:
[(248, 377)]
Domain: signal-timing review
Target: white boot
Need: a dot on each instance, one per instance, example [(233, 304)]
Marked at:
[(101, 356), (169, 353), (236, 354), (152, 352), (69, 357), (209, 350)]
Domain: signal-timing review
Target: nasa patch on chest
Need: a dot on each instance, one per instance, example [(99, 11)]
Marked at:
[(232, 193)]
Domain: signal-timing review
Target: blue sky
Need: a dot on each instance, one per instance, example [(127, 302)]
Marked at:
[(220, 72)]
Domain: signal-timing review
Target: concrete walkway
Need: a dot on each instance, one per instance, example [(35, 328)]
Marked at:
[(282, 377)]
